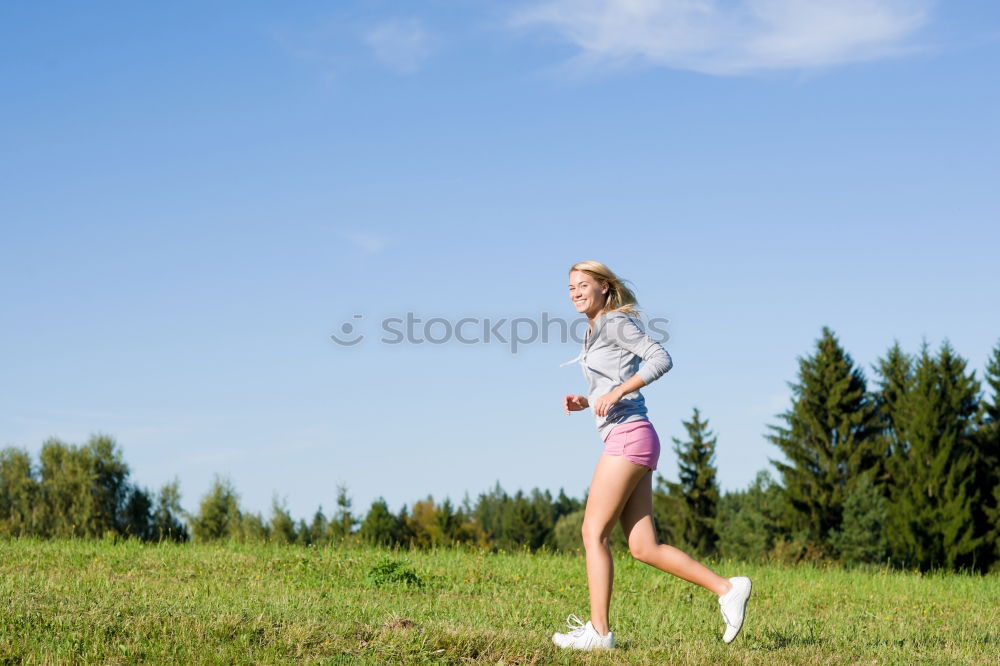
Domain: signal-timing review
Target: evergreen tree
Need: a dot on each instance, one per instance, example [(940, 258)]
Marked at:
[(303, 534), (665, 512), (565, 504), (282, 526), (861, 537), (250, 528), (446, 523), (692, 503), (167, 522), (318, 528), (832, 436), (933, 462), (488, 512), (219, 515), (380, 527), (404, 522), (989, 467), (470, 530), (136, 519), (749, 522), (517, 521), (342, 524), (895, 380), (521, 524)]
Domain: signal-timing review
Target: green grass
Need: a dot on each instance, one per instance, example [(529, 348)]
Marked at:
[(92, 601)]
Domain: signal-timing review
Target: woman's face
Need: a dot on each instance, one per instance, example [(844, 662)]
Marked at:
[(586, 293)]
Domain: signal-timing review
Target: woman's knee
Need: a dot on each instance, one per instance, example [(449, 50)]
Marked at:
[(643, 550), (594, 536)]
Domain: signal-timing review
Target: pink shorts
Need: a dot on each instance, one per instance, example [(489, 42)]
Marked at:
[(636, 440)]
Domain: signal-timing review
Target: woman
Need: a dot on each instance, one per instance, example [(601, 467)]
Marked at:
[(613, 350)]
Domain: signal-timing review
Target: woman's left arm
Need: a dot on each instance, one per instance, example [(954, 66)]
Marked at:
[(656, 361)]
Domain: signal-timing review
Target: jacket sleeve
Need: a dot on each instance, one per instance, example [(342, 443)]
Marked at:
[(624, 332)]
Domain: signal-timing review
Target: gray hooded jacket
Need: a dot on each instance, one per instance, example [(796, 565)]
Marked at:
[(611, 354)]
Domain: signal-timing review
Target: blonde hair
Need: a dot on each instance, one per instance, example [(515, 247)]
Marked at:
[(619, 297)]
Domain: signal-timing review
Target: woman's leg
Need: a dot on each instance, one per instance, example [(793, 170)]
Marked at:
[(637, 523), (614, 480)]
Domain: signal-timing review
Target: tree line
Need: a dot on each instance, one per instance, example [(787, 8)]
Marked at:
[(83, 491), (904, 470)]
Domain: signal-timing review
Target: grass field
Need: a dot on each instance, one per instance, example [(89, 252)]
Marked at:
[(93, 601)]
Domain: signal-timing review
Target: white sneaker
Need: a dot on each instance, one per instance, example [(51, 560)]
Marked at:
[(733, 604), (583, 636)]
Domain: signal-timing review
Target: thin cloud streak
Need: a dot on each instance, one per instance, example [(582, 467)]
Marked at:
[(371, 243), (400, 44), (730, 38)]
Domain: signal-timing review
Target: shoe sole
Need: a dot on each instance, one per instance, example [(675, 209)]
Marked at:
[(588, 648)]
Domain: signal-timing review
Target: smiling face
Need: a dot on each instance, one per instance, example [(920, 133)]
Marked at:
[(586, 293)]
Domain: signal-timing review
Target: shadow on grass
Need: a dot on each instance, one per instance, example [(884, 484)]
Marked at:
[(779, 640)]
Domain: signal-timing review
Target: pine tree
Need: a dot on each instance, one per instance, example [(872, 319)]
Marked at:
[(303, 533), (992, 408), (250, 528), (692, 504), (446, 523), (470, 530), (861, 537), (665, 511), (380, 527), (404, 524), (895, 380), (521, 524), (167, 523), (564, 504), (489, 510), (136, 516), (749, 521), (282, 524), (319, 527), (933, 461), (989, 467), (342, 524), (832, 436), (219, 515)]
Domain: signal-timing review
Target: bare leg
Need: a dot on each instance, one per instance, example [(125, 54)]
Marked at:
[(637, 523), (614, 480)]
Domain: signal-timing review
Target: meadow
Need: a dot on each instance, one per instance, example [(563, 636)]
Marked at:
[(120, 602)]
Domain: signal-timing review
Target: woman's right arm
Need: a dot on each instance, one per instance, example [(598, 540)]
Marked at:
[(575, 403)]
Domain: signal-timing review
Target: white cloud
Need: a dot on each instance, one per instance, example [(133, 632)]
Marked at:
[(731, 36), (401, 44), (368, 242)]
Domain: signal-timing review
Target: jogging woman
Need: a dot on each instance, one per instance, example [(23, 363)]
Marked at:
[(614, 348)]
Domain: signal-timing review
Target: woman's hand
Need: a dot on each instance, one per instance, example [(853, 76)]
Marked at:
[(575, 403), (603, 404)]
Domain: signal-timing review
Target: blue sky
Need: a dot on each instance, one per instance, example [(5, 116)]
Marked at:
[(196, 196)]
